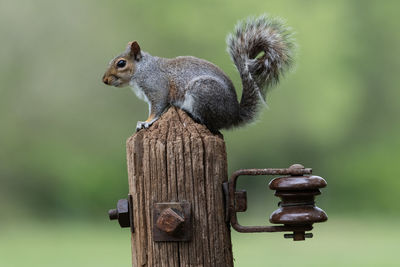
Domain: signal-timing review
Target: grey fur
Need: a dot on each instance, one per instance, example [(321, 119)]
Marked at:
[(251, 37), (201, 88)]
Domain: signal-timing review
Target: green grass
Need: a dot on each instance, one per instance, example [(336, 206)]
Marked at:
[(64, 244), (339, 242)]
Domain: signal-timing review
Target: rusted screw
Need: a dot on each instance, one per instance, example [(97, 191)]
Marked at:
[(170, 221)]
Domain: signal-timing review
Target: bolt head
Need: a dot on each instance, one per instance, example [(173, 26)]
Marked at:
[(169, 221), (296, 166)]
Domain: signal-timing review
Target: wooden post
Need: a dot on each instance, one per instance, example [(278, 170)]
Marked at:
[(178, 160)]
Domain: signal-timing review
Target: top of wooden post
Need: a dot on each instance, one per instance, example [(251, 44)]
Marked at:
[(174, 124)]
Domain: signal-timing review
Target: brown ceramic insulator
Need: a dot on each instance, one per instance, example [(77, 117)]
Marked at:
[(297, 183), (301, 215), (297, 205)]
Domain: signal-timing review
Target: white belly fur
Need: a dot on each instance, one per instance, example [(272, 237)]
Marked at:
[(139, 93)]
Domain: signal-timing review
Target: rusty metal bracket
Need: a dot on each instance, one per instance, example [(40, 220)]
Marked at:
[(172, 221), (236, 201)]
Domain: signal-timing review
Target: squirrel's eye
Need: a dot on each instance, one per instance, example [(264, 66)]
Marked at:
[(121, 63)]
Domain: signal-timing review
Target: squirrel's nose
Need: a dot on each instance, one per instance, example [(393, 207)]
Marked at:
[(105, 80)]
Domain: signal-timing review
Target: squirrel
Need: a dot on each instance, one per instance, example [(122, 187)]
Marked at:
[(262, 50)]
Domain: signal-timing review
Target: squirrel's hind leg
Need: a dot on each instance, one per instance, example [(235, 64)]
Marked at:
[(211, 102)]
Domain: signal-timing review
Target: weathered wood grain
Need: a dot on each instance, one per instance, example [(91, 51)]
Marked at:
[(179, 160)]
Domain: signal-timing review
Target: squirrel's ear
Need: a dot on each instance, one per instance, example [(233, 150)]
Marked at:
[(134, 50)]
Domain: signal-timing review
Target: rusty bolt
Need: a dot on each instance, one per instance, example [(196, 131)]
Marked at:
[(113, 214), (296, 166), (121, 213), (170, 221)]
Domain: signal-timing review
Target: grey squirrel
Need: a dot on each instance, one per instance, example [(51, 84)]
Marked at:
[(261, 49)]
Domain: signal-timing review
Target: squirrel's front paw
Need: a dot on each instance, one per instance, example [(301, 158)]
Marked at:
[(142, 124), (139, 125)]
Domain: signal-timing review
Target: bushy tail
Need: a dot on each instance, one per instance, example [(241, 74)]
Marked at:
[(262, 50)]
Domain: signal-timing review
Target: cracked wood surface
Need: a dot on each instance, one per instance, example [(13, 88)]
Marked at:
[(177, 159)]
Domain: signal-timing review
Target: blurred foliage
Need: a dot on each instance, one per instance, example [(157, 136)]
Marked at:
[(63, 132)]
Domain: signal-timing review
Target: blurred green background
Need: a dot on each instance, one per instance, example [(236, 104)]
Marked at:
[(63, 132)]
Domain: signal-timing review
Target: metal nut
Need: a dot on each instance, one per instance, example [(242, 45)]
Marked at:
[(121, 213)]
